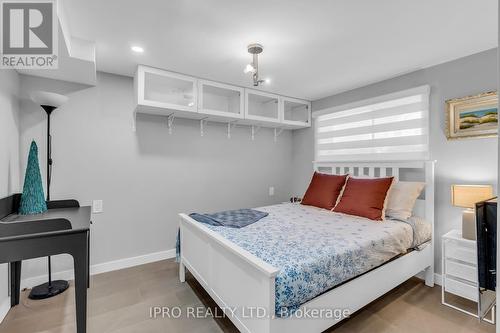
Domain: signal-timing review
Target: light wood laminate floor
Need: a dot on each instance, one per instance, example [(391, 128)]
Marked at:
[(120, 301)]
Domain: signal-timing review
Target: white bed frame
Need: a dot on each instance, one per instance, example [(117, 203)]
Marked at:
[(243, 285)]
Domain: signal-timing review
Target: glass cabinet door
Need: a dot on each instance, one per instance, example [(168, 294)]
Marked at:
[(262, 106), (296, 111), (163, 89), (221, 100)]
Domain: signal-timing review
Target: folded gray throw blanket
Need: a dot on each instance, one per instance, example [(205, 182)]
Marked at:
[(238, 218)]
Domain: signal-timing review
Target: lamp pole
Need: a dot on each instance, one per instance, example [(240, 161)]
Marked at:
[(48, 102), (48, 109)]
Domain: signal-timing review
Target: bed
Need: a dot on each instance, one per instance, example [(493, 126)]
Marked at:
[(268, 276)]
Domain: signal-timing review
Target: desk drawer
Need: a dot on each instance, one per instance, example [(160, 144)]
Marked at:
[(460, 252), (463, 271), (463, 289)]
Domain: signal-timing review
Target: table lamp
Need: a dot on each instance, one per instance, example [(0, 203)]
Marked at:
[(467, 196), (48, 101)]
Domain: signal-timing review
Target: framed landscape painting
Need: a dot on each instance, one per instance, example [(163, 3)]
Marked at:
[(472, 116)]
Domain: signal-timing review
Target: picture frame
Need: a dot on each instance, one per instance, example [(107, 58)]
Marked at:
[(472, 116)]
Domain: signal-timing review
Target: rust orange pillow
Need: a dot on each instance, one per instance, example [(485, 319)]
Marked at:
[(324, 190), (364, 197)]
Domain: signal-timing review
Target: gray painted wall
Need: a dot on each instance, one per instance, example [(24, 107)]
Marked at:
[(465, 161), (146, 177), (9, 150)]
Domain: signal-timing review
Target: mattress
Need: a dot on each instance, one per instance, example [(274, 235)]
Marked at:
[(315, 249)]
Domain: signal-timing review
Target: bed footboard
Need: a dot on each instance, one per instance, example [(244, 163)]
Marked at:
[(239, 282)]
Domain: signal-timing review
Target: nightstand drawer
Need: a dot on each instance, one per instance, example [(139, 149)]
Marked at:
[(460, 288), (463, 271), (460, 252)]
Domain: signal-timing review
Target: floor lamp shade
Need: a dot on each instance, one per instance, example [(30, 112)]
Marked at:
[(45, 98), (32, 198)]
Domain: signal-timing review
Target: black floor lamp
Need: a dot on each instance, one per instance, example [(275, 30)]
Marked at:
[(49, 102)]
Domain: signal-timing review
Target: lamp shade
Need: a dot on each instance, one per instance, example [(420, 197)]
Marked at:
[(467, 195), (48, 98)]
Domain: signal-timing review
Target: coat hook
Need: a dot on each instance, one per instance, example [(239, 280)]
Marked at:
[(203, 121), (255, 130), (230, 125), (134, 121), (170, 122)]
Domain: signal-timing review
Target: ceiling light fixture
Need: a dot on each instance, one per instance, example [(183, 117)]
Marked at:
[(137, 49), (249, 69), (253, 68)]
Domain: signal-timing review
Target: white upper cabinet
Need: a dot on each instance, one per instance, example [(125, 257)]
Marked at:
[(166, 93), (162, 92), (220, 101), (296, 112), (262, 107)]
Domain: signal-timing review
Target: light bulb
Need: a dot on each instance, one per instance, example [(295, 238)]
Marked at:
[(267, 81), (249, 69)]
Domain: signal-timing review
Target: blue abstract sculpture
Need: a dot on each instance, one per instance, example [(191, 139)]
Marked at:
[(33, 198)]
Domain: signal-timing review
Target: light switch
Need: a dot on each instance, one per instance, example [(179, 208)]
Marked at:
[(97, 206), (271, 190)]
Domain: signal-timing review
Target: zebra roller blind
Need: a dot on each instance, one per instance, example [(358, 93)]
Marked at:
[(392, 127)]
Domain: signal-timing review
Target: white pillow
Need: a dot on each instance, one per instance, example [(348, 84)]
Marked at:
[(401, 199)]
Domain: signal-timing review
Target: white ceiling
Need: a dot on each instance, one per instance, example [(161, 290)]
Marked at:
[(312, 49)]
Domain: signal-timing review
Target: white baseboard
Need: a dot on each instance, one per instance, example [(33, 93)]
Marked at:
[(4, 308), (438, 279), (101, 268)]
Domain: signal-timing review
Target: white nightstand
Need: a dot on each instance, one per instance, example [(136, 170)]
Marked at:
[(459, 268)]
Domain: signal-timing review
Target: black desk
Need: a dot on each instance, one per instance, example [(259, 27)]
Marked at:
[(57, 231)]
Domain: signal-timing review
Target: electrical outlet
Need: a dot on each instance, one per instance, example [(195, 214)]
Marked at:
[(271, 191), (97, 206)]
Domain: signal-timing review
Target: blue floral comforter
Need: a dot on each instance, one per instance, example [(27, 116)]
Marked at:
[(315, 249)]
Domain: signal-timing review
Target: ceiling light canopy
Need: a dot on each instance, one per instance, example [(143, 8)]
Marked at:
[(137, 49), (253, 67)]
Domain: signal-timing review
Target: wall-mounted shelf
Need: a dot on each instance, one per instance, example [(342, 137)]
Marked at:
[(161, 92)]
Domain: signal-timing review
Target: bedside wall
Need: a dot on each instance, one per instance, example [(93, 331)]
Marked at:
[(467, 161)]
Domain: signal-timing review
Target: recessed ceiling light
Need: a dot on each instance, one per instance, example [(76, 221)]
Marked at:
[(137, 49), (267, 81)]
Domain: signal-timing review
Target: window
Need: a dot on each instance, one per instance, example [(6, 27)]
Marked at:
[(392, 127)]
